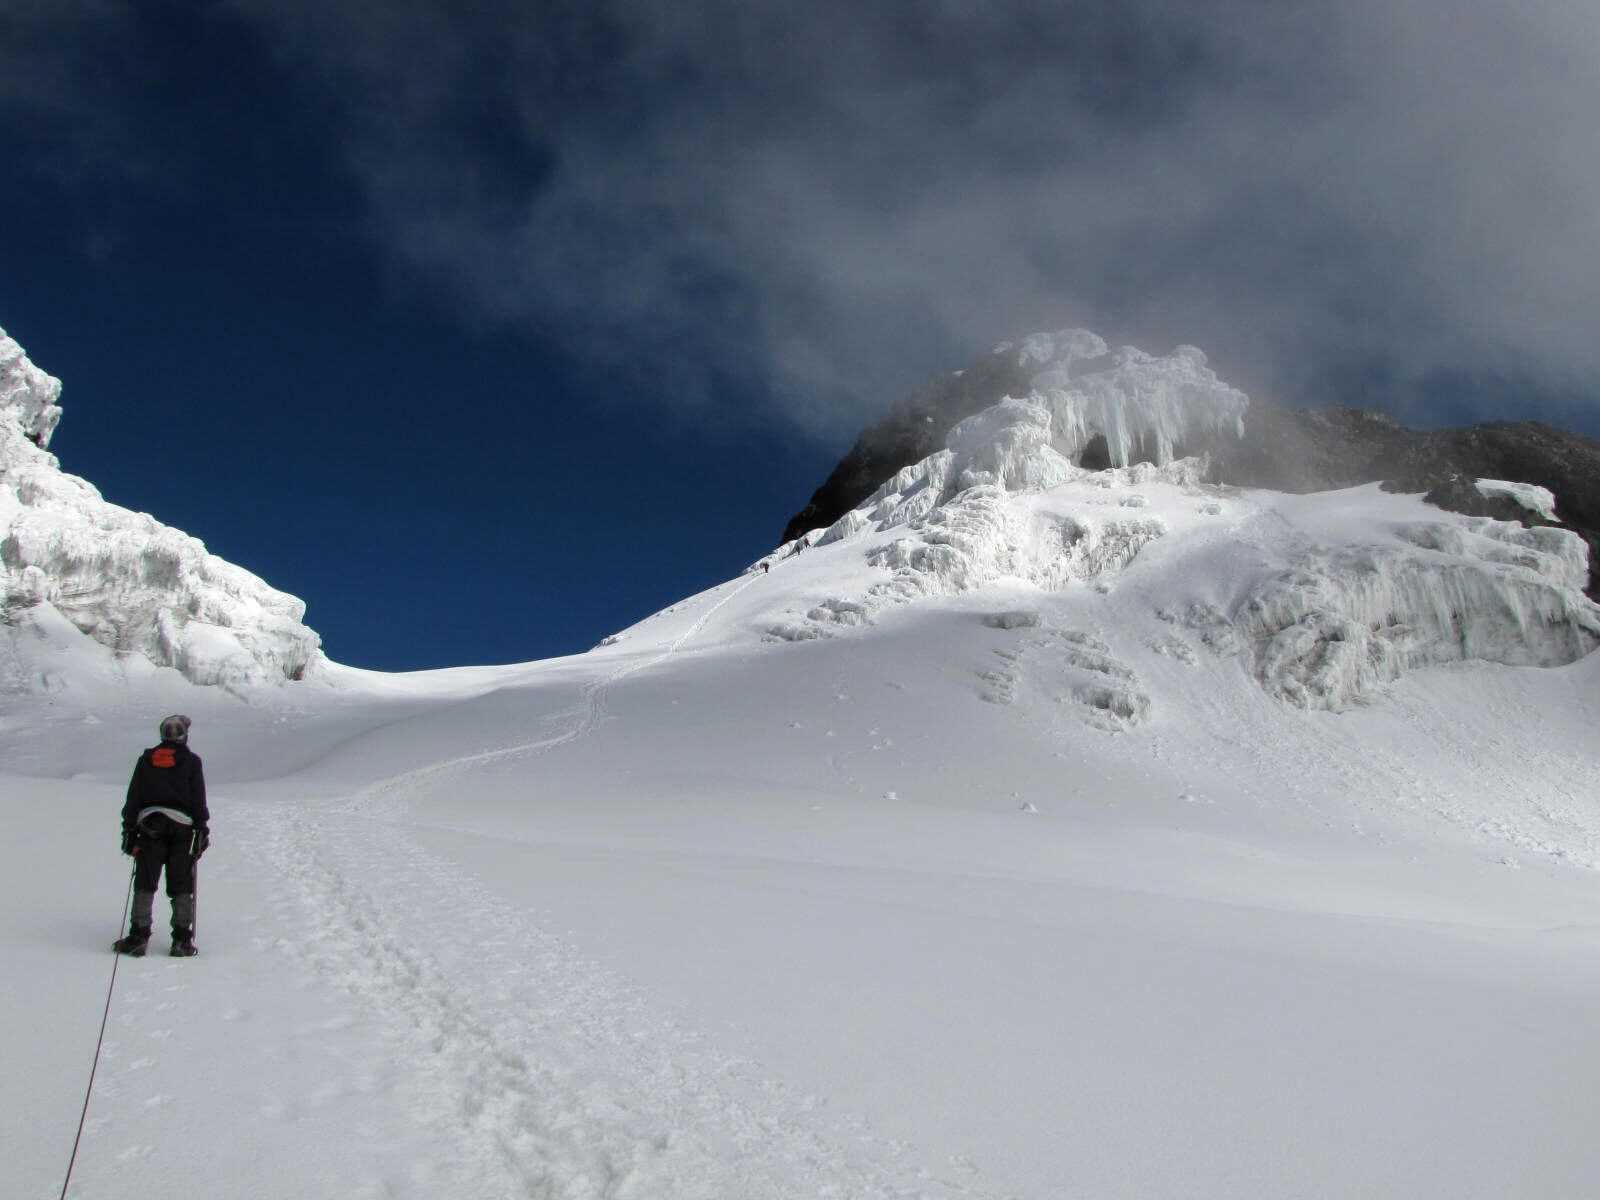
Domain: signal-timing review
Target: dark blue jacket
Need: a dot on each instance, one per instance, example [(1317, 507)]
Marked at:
[(167, 776)]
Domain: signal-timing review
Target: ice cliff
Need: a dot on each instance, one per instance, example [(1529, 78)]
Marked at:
[(70, 561), (1145, 406), (1107, 408), (1325, 597), (1343, 619)]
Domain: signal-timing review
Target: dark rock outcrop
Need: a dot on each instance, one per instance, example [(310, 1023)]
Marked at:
[(1283, 449), (1315, 450), (913, 429)]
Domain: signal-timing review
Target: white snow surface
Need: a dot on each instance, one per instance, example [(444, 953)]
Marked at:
[(148, 593), (1035, 833), (1531, 496), (1012, 891)]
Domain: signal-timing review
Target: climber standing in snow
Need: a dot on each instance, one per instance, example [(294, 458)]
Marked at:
[(165, 824)]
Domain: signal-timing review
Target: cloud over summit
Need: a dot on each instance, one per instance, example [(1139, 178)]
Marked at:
[(833, 201)]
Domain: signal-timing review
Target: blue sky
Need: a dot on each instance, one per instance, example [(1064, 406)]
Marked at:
[(239, 360), (487, 329)]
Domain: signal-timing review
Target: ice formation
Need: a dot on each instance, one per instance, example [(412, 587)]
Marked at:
[(27, 395), (122, 578), (1322, 621), (1145, 406), (1342, 621), (1531, 496), (958, 527)]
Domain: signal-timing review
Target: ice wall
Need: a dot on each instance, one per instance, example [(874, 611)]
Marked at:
[(123, 579), (1148, 407), (1342, 621)]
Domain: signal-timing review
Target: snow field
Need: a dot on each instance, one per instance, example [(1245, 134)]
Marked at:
[(817, 920), (1281, 987), (1032, 833), (238, 1075), (563, 1078)]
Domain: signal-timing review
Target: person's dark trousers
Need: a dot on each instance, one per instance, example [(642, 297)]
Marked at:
[(170, 852)]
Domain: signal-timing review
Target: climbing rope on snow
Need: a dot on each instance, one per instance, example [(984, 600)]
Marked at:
[(100, 1041)]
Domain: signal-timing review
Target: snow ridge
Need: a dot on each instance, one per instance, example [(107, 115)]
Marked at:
[(73, 565)]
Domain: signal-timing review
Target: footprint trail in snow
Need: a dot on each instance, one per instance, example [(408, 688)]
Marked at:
[(386, 795), (553, 1078), (556, 1079)]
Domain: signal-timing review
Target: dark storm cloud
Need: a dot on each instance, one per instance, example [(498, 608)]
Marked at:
[(840, 199)]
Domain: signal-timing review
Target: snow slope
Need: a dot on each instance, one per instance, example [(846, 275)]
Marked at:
[(146, 591), (1032, 833)]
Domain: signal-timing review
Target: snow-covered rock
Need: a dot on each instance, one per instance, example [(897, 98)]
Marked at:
[(121, 578)]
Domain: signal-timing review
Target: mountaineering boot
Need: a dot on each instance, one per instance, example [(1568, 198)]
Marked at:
[(133, 945), (138, 926), (183, 926)]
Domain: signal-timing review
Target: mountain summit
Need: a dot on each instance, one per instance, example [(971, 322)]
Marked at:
[(1111, 408), (1110, 461)]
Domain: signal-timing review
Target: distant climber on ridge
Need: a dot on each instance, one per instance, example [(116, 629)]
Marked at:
[(165, 824)]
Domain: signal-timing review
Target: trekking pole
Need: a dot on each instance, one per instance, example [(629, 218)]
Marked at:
[(194, 928), (99, 1042)]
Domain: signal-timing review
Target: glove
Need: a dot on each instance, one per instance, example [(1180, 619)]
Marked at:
[(202, 839), (130, 843)]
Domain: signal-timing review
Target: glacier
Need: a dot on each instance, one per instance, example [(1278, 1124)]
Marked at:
[(1096, 805), (74, 566)]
